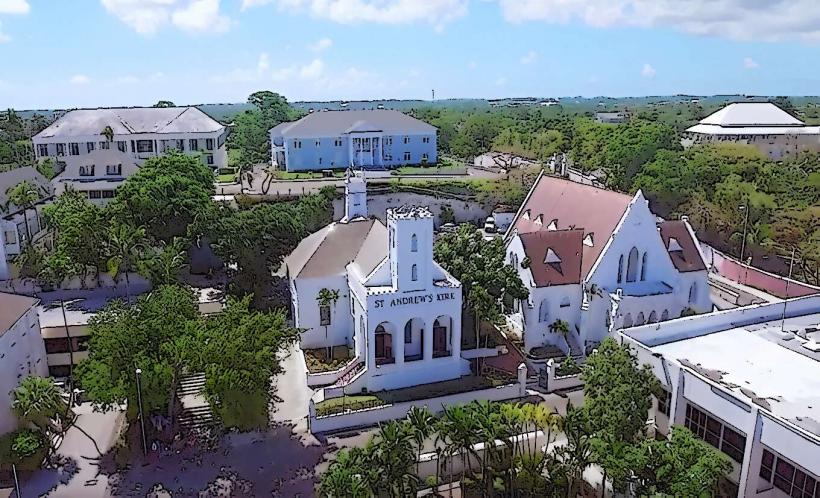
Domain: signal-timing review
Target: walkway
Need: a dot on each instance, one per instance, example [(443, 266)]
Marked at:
[(92, 433)]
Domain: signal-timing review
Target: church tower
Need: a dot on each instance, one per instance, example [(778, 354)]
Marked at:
[(410, 230), (355, 196)]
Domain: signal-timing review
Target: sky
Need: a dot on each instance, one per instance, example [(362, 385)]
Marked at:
[(88, 53)]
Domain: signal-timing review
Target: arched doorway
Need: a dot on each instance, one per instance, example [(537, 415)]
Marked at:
[(384, 343), (628, 320), (414, 339), (442, 336), (653, 317)]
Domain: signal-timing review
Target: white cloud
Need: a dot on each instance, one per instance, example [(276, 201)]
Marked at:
[(3, 37), (735, 19), (530, 57), (321, 45), (79, 79), (435, 12), (648, 71), (750, 63), (14, 7), (148, 16), (264, 63), (248, 4), (312, 70)]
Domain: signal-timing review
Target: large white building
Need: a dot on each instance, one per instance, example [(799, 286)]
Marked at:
[(95, 162), (397, 309), (774, 132), (21, 351), (747, 381), (599, 260)]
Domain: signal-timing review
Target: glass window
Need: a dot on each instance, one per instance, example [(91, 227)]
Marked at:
[(406, 156), (209, 143), (324, 315), (113, 169), (94, 194), (42, 149), (74, 149), (766, 465), (414, 243), (414, 273), (145, 146), (192, 144), (105, 145), (180, 144), (408, 332), (60, 149), (89, 146), (665, 402), (714, 432), (107, 194), (122, 146), (209, 158)]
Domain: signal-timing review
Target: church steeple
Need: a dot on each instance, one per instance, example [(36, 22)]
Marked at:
[(355, 195)]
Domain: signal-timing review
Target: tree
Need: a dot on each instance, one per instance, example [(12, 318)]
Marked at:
[(161, 265), (38, 401), (166, 195), (125, 245), (420, 423), (577, 454), (124, 338), (108, 133), (480, 266), (238, 350), (164, 103), (561, 327), (24, 195), (326, 298)]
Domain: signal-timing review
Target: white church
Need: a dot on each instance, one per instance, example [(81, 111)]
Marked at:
[(394, 306), (599, 261)]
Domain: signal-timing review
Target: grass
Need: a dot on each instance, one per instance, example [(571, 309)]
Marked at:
[(430, 170), (227, 178), (339, 405)]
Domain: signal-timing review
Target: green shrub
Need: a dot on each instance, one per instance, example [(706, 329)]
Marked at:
[(26, 443)]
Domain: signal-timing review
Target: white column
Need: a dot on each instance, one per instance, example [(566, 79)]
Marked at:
[(370, 348), (455, 334), (398, 345), (427, 340)]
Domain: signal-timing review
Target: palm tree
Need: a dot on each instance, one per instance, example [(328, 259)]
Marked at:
[(108, 133), (420, 424), (577, 454), (25, 194), (125, 244), (395, 457), (38, 401), (327, 298), (561, 327), (162, 266)]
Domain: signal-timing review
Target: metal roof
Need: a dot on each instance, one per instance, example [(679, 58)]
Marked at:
[(131, 120), (337, 123), (751, 114)]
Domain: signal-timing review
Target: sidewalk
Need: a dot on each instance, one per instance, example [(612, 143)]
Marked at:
[(103, 429)]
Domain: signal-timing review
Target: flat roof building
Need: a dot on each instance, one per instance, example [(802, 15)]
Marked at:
[(370, 139), (776, 133), (746, 381)]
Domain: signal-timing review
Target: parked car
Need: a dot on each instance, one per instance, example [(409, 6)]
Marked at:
[(489, 225), (448, 227)]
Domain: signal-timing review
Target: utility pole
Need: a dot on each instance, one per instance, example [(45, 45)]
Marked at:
[(786, 299), (744, 208), (16, 482), (70, 355)]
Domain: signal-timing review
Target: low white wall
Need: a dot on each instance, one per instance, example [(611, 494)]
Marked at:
[(373, 416), (469, 354), (556, 383), (328, 378)]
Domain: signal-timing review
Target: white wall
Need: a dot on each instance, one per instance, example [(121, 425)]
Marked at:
[(23, 354), (340, 330)]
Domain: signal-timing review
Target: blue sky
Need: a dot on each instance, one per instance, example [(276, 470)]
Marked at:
[(68, 53)]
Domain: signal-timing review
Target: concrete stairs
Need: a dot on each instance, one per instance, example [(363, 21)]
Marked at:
[(196, 412)]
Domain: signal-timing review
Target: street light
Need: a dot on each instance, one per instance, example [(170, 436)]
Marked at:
[(142, 419)]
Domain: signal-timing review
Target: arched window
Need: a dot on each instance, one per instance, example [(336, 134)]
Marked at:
[(640, 320), (628, 320), (693, 293), (380, 329), (653, 317), (621, 269), (543, 311), (408, 332), (643, 266), (414, 243), (632, 266), (414, 273)]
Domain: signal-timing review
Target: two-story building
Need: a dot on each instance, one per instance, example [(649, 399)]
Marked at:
[(97, 174), (22, 352), (774, 132), (98, 145), (396, 308), (599, 260), (20, 224), (746, 381), (364, 139)]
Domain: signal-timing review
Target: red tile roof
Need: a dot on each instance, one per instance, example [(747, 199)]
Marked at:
[(688, 258), (566, 244), (573, 205)]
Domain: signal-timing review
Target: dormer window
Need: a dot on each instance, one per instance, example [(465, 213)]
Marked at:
[(539, 220), (674, 245), (526, 215), (552, 257), (588, 240), (553, 225)]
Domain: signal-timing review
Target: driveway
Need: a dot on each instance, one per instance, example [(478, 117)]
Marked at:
[(292, 392)]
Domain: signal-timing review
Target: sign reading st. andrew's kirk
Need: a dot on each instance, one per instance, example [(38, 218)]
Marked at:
[(419, 299)]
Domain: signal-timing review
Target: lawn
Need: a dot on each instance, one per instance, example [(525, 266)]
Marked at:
[(226, 178), (339, 405), (430, 170)]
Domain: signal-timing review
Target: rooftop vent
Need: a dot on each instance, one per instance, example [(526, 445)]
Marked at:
[(588, 240)]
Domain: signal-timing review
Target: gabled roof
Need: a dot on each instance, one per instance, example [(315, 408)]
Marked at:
[(676, 235), (575, 206), (337, 123), (329, 251), (131, 120), (12, 308), (751, 114), (555, 256)]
